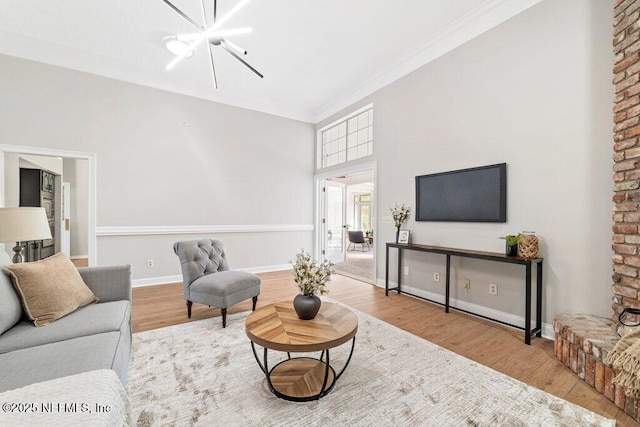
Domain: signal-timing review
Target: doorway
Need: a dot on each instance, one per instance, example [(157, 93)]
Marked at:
[(335, 214), (347, 231), (80, 165)]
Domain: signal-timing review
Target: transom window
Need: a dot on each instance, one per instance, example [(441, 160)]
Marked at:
[(348, 139)]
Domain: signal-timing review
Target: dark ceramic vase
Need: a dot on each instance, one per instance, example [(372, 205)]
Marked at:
[(397, 234), (306, 306), (511, 250)]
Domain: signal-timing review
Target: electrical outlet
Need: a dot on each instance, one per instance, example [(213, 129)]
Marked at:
[(436, 277), (406, 270), (467, 283), (150, 263), (493, 288)]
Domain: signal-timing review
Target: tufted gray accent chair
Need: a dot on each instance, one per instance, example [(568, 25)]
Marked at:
[(206, 277)]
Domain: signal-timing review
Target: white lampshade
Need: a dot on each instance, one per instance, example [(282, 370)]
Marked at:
[(23, 224)]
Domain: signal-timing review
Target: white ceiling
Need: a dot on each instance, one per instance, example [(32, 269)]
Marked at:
[(317, 56)]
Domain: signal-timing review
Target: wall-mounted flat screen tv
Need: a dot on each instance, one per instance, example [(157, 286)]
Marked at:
[(466, 195)]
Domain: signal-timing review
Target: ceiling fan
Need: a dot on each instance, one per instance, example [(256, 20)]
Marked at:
[(184, 45)]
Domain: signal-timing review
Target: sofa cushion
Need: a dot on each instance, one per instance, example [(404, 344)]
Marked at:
[(10, 307), (50, 289), (88, 320), (46, 362)]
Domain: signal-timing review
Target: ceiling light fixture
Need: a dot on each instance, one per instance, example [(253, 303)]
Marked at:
[(176, 46), (184, 45)]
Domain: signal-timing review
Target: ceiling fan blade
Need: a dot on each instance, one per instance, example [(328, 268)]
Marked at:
[(235, 55), (232, 32), (213, 68), (204, 14), (184, 16), (235, 47), (218, 23)]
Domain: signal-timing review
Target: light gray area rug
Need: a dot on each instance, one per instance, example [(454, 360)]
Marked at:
[(201, 374)]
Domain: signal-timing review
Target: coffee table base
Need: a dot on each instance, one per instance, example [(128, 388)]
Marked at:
[(301, 379)]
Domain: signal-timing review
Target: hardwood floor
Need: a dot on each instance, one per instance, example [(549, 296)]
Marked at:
[(496, 346), (80, 262)]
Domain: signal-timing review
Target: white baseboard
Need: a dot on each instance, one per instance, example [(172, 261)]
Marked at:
[(175, 279), (547, 329), (267, 268), (79, 257), (138, 283)]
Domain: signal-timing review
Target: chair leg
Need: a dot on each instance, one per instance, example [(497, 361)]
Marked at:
[(255, 300), (189, 304), (224, 317)]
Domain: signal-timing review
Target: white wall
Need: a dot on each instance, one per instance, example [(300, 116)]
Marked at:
[(535, 93), (168, 160), (11, 178)]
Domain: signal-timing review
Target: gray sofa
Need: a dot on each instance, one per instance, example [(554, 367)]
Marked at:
[(97, 336)]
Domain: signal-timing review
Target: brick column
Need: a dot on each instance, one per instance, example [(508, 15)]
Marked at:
[(626, 176)]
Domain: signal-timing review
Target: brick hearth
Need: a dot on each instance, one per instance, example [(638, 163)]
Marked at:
[(582, 343)]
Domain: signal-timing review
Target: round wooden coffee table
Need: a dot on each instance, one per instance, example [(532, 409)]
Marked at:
[(277, 327)]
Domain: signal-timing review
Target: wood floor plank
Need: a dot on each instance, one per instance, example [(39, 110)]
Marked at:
[(80, 262), (485, 342), (582, 394), (553, 377)]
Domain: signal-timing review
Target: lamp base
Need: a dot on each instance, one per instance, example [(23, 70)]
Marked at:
[(17, 256)]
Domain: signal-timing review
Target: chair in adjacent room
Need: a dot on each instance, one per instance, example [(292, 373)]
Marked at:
[(206, 277), (357, 238)]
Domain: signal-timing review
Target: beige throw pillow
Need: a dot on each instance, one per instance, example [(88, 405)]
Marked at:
[(50, 289)]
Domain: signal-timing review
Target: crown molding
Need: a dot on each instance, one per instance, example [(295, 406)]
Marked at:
[(479, 20)]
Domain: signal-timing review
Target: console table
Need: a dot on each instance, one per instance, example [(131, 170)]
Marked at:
[(489, 256)]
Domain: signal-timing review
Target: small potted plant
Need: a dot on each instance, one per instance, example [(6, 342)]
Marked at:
[(511, 244), (311, 278)]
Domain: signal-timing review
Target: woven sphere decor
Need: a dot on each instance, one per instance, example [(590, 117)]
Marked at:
[(528, 246)]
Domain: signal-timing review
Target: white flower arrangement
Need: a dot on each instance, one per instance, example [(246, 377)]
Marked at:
[(310, 276), (400, 214)]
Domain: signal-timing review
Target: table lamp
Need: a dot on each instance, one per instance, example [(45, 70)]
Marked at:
[(23, 225)]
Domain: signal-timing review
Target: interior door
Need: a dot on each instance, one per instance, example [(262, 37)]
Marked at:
[(334, 221), (65, 233)]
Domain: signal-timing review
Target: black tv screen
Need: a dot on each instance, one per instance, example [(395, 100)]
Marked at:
[(466, 195)]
